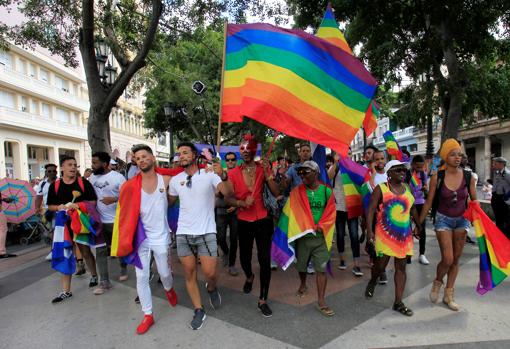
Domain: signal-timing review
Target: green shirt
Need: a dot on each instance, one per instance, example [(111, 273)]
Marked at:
[(318, 200)]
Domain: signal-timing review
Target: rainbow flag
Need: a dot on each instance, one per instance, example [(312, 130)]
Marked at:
[(494, 249), (366, 194), (353, 177), (415, 179), (392, 147), (294, 83), (86, 225), (329, 31), (296, 221), (62, 256)]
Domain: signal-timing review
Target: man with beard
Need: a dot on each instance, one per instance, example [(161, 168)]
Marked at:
[(196, 228), (291, 177), (107, 185), (254, 222)]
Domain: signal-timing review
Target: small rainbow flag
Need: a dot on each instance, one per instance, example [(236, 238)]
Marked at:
[(494, 249), (296, 221), (86, 225), (392, 147), (329, 31), (353, 177), (415, 179), (295, 83)]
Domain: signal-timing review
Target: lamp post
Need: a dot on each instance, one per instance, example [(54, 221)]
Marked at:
[(105, 63), (170, 113)]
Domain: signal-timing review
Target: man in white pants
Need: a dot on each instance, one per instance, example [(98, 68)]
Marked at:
[(153, 213)]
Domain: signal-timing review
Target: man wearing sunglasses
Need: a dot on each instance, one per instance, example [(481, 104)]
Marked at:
[(50, 175), (226, 216), (196, 227)]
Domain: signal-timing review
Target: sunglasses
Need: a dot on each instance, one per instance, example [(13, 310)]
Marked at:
[(303, 172), (454, 197), (188, 181), (231, 159), (401, 169)]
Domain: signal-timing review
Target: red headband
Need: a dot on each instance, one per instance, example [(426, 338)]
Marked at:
[(251, 143)]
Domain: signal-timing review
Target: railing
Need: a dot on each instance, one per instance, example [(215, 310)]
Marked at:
[(43, 89)]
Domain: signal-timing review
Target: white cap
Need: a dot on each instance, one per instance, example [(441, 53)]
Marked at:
[(312, 165), (394, 163), (113, 162)]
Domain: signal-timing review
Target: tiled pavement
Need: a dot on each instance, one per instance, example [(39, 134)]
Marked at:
[(28, 320)]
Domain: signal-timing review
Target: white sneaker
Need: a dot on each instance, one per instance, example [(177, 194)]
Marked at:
[(310, 269), (48, 257), (424, 260)]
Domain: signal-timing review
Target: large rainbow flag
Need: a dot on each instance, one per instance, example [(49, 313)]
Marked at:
[(296, 221), (353, 177), (329, 31), (295, 83), (494, 249)]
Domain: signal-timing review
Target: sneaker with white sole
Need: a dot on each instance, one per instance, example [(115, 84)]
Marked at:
[(214, 298), (48, 257), (342, 265), (310, 269), (383, 279), (357, 271), (198, 319), (423, 260), (62, 297)]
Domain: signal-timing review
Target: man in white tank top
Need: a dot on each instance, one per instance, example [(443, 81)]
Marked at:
[(196, 228), (153, 214)]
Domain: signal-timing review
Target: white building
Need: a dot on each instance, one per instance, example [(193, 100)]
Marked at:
[(44, 111)]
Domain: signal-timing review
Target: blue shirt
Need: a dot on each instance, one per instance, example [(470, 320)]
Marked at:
[(295, 180)]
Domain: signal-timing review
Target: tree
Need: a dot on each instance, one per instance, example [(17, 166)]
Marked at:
[(442, 40)]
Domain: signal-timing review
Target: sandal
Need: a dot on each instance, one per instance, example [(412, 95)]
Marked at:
[(402, 309), (301, 293), (325, 310), (369, 291)]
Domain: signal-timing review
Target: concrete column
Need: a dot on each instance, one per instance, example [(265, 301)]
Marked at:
[(2, 157), (54, 158), (487, 157)]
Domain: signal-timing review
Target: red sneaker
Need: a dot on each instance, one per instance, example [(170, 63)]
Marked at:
[(146, 323), (172, 297)]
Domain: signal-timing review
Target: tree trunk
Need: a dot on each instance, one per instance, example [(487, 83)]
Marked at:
[(98, 131)]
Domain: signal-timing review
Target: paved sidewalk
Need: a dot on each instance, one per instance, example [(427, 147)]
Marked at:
[(29, 320)]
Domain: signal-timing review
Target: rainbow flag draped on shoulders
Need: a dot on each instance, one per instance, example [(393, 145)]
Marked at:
[(128, 232), (296, 221), (354, 176), (295, 83), (329, 31), (62, 256), (494, 249)]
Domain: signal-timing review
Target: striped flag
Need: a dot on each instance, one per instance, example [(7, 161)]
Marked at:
[(329, 31), (62, 256), (354, 176), (393, 149), (319, 156), (295, 83)]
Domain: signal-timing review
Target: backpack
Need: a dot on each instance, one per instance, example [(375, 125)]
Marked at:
[(80, 183), (439, 185)]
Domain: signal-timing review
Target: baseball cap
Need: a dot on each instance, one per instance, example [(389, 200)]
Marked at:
[(312, 165), (394, 163), (500, 159)]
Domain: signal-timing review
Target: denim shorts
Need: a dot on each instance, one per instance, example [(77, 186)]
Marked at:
[(197, 245), (445, 223)]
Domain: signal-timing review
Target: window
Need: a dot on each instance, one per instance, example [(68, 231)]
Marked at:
[(46, 154), (6, 99), (5, 59), (32, 70), (412, 147), (162, 139), (63, 115), (46, 110), (32, 153), (8, 149), (43, 75), (34, 107), (21, 66), (74, 118), (62, 84), (24, 104)]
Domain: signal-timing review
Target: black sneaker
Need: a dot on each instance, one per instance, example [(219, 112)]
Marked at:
[(357, 271), (383, 279), (137, 300), (93, 281), (198, 319), (247, 286), (369, 291), (214, 298), (62, 297), (265, 310)]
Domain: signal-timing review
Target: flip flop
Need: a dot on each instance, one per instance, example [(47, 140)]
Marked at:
[(326, 311), (302, 293)]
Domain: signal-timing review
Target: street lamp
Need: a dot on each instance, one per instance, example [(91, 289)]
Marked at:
[(104, 60), (170, 114)]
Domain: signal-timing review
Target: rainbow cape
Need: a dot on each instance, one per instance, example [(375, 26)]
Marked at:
[(353, 177), (295, 83), (62, 256), (296, 221), (494, 249), (125, 226), (392, 147), (329, 31)]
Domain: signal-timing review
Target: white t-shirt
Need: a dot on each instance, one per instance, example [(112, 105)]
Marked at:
[(378, 179), (107, 185), (196, 210), (42, 190), (153, 213), (133, 171)]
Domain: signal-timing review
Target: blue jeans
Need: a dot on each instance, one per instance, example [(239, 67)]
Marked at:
[(341, 219)]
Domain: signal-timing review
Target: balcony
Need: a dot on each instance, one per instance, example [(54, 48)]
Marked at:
[(41, 89), (15, 118)]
